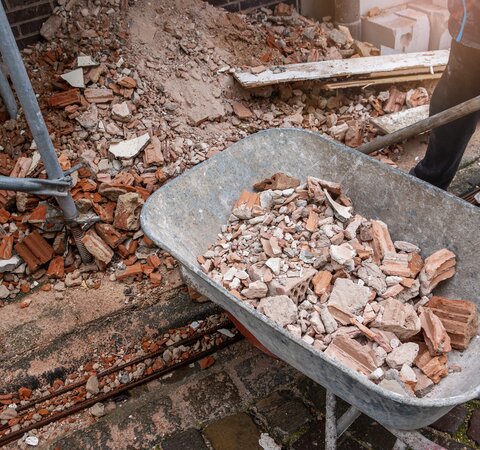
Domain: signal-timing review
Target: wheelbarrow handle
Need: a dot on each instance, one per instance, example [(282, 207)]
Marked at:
[(430, 123)]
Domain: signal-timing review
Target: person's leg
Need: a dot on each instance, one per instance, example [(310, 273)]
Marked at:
[(459, 82)]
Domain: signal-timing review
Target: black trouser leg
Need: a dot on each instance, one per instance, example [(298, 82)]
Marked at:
[(459, 82)]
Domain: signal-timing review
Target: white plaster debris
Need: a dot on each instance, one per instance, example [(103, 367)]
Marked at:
[(335, 280), (267, 443), (130, 147), (74, 78), (86, 61)]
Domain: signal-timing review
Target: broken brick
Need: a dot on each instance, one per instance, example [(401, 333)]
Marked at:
[(438, 267), (434, 367), (382, 242), (321, 282), (97, 247), (155, 278), (127, 212), (459, 317), (206, 362), (130, 271), (153, 155), (109, 234), (395, 101), (34, 250), (6, 247), (352, 354), (278, 181), (98, 95), (434, 333), (127, 82), (56, 268), (242, 111), (62, 99), (154, 261), (4, 216)]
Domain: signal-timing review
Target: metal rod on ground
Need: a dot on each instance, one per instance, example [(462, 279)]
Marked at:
[(7, 96), (435, 121), (330, 422), (25, 93)]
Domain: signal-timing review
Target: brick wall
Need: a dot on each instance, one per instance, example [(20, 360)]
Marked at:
[(241, 5), (26, 18)]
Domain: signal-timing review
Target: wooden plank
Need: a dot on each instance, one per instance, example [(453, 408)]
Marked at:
[(342, 68), (415, 71), (396, 121), (375, 82)]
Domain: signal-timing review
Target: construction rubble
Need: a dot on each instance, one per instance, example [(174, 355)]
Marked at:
[(299, 254), (140, 96)]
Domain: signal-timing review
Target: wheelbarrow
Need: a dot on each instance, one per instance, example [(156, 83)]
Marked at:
[(185, 215)]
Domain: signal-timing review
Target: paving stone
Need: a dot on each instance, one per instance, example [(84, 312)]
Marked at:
[(451, 422), (366, 430), (283, 414), (313, 438), (190, 439), (262, 374), (444, 440), (474, 427), (315, 395), (237, 432), (210, 398)]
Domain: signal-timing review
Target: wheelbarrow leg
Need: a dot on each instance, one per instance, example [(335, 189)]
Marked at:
[(335, 428), (330, 422)]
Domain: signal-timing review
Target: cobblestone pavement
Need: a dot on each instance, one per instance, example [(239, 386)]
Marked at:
[(245, 399)]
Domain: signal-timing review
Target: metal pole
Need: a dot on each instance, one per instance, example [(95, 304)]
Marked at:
[(25, 93), (23, 87), (7, 96), (442, 118), (330, 422)]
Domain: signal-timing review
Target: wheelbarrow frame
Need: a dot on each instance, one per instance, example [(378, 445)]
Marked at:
[(184, 216)]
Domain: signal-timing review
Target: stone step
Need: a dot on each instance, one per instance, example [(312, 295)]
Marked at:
[(52, 337)]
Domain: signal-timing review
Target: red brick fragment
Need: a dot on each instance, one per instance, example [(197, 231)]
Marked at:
[(155, 278), (63, 99), (4, 216), (109, 234), (56, 268), (130, 271), (97, 247), (6, 247), (206, 362), (34, 250), (24, 393), (154, 261)]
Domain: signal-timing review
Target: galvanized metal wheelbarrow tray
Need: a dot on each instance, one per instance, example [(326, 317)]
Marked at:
[(184, 217)]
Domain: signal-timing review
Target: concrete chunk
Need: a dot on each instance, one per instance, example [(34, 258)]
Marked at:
[(349, 296)]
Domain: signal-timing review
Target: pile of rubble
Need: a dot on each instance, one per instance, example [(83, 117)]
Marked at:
[(140, 105), (298, 254)]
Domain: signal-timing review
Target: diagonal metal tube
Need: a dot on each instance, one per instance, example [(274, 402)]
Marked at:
[(7, 96), (25, 93)]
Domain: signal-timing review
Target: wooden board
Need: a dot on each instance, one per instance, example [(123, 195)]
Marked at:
[(342, 68), (376, 81), (396, 121)]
